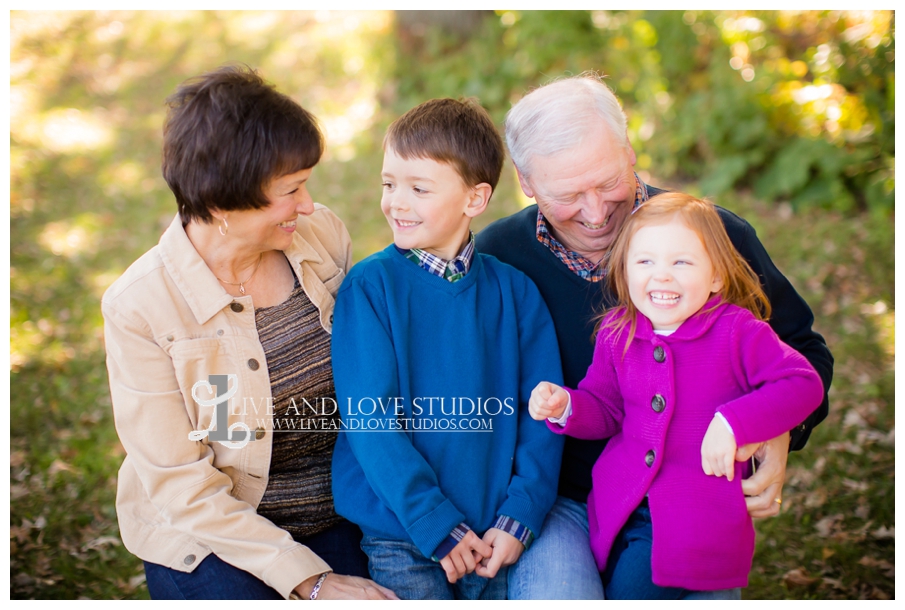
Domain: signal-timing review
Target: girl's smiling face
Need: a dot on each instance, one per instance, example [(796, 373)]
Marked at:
[(670, 275)]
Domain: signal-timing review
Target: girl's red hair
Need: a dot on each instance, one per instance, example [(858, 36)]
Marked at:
[(741, 285)]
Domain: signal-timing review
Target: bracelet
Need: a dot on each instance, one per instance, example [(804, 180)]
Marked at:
[(317, 586)]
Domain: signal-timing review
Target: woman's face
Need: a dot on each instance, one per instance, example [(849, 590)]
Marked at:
[(271, 228)]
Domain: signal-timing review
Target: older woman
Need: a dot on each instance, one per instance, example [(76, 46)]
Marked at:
[(218, 340)]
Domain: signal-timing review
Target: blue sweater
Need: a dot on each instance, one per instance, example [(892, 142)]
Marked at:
[(416, 359)]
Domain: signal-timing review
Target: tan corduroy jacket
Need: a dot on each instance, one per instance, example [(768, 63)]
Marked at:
[(168, 323)]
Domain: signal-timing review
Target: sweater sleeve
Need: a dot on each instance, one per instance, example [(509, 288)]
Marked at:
[(792, 319), (786, 389), (365, 373), (535, 472), (597, 404)]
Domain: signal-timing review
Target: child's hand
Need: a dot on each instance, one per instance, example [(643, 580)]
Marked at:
[(465, 556), (718, 450), (506, 551), (547, 400)]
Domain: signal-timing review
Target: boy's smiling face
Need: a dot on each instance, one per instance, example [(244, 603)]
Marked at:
[(427, 204)]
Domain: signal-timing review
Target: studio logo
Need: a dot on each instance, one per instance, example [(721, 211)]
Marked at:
[(235, 436)]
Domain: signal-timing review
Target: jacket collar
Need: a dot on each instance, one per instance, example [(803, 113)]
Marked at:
[(199, 287), (692, 328)]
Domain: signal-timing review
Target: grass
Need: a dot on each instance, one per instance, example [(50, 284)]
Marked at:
[(835, 538), (87, 199)]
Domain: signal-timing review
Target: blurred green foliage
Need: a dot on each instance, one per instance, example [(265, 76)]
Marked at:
[(798, 106), (87, 198)]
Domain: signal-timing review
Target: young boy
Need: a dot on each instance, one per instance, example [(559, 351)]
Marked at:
[(436, 349)]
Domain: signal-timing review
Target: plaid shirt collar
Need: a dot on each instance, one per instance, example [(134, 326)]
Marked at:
[(451, 271), (578, 264)]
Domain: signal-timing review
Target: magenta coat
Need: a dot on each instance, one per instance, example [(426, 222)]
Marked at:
[(657, 403)]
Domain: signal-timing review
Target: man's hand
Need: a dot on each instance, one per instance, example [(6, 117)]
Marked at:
[(506, 551), (465, 556), (764, 488), (718, 450), (547, 400)]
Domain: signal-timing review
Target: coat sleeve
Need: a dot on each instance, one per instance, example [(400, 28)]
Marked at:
[(535, 474), (792, 319), (178, 475), (785, 387), (598, 408), (365, 369)]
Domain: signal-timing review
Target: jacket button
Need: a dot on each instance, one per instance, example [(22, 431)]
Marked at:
[(259, 433), (253, 364), (657, 403), (189, 560), (236, 307), (649, 458), (659, 354)]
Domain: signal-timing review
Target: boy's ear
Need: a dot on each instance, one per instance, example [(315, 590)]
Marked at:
[(480, 196)]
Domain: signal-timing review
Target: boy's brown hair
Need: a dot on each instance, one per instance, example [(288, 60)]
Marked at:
[(741, 286), (457, 132)]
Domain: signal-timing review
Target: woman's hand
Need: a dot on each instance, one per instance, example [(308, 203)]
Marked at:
[(338, 586), (547, 400)]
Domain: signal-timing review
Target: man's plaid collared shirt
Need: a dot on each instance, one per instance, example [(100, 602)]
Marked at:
[(578, 264)]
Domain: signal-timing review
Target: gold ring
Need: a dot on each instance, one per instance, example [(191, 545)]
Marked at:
[(778, 501)]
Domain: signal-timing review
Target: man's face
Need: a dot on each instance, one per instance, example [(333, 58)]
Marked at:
[(585, 193)]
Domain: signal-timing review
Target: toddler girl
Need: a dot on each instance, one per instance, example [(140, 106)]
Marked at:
[(684, 371)]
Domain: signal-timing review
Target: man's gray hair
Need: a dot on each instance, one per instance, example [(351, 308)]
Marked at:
[(557, 116)]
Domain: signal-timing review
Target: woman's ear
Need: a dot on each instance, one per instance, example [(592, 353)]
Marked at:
[(479, 199)]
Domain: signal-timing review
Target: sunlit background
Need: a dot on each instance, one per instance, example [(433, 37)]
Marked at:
[(785, 117)]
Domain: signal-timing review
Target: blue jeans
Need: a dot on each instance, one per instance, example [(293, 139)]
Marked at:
[(400, 566), (628, 571), (559, 565), (213, 578)]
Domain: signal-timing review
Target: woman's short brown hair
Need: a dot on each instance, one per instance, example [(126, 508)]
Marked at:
[(457, 132), (227, 134)]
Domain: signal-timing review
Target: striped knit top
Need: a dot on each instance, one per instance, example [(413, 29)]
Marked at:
[(298, 497)]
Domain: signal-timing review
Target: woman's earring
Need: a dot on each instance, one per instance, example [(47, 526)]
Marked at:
[(223, 223)]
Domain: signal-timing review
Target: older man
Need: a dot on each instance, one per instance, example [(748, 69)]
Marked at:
[(569, 145)]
